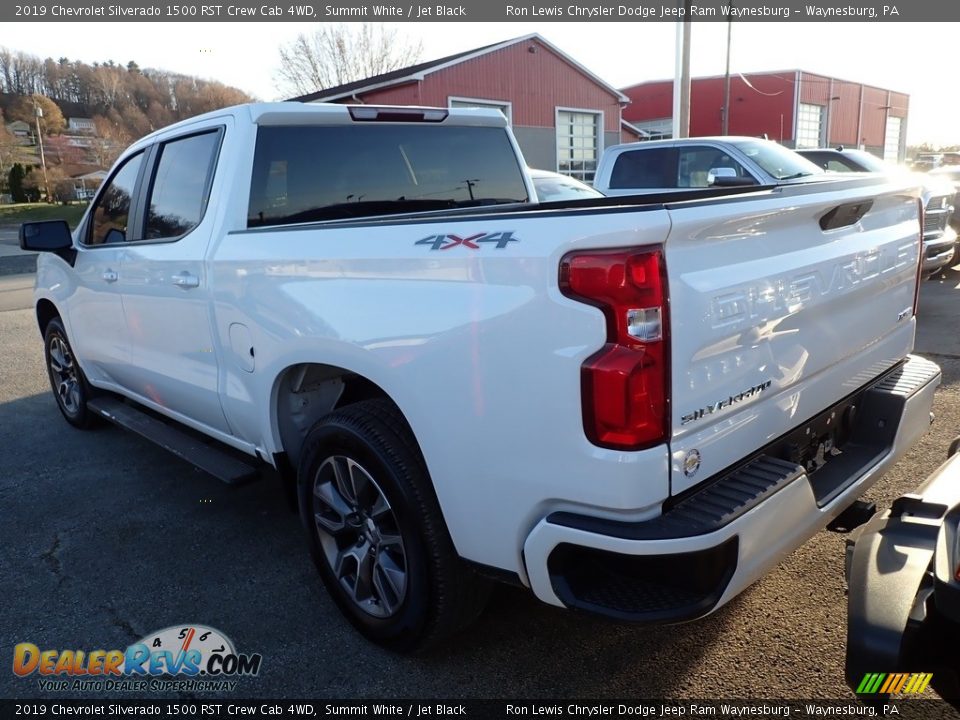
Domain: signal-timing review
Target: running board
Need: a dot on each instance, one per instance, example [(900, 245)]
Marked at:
[(207, 457)]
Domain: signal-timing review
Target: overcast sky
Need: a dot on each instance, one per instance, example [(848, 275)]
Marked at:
[(916, 58)]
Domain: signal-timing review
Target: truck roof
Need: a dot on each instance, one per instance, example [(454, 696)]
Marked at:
[(297, 113)]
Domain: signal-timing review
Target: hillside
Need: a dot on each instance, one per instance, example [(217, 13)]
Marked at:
[(123, 102)]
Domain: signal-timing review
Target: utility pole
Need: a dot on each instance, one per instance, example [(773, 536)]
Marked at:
[(726, 78), (38, 112), (681, 80), (470, 183)]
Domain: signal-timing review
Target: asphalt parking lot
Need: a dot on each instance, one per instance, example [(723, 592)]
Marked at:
[(106, 538)]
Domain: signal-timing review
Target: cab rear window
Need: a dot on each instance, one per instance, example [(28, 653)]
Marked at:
[(311, 173)]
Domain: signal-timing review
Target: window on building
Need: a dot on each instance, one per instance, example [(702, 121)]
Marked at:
[(578, 143), (661, 129), (809, 125), (503, 107), (891, 143)]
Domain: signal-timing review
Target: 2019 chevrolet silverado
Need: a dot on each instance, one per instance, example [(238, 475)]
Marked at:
[(630, 406)]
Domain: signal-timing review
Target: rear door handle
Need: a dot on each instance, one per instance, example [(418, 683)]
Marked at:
[(186, 280), (110, 276)]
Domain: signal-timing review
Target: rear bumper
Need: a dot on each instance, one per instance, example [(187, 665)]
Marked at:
[(707, 548), (938, 252)]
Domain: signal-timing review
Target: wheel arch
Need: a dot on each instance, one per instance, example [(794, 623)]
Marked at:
[(46, 311), (304, 392)]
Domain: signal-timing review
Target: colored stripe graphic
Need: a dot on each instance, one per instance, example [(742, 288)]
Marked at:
[(893, 683), (891, 680), (875, 685)]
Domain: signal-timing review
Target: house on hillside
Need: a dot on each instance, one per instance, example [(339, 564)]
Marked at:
[(562, 115), (85, 186), (81, 125), (21, 131)]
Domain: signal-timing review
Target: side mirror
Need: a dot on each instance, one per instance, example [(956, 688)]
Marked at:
[(46, 236), (727, 177), (114, 236)]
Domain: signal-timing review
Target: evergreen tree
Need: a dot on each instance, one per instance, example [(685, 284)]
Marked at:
[(15, 182)]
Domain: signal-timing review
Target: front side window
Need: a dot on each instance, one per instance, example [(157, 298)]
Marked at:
[(311, 173), (578, 144), (111, 214), (837, 165), (696, 163), (178, 193)]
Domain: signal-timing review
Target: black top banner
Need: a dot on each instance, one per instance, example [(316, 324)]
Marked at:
[(216, 709), (483, 11)]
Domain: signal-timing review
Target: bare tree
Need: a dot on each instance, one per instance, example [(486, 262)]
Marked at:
[(340, 53), (111, 138)]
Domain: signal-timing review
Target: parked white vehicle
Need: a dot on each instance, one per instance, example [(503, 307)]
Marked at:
[(689, 164), (635, 408)]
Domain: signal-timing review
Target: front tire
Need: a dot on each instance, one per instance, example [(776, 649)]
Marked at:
[(376, 531), (70, 387)]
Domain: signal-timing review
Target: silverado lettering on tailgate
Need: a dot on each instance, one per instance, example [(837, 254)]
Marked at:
[(789, 294), (720, 405)]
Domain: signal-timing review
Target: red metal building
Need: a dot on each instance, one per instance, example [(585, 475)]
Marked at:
[(562, 114), (795, 107)]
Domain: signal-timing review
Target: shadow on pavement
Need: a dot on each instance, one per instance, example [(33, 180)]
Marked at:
[(107, 538)]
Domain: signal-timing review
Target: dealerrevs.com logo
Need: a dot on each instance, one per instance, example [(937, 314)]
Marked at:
[(177, 658)]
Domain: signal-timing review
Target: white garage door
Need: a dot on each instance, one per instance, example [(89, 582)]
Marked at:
[(891, 143)]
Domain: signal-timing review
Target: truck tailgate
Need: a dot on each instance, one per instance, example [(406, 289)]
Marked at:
[(778, 310)]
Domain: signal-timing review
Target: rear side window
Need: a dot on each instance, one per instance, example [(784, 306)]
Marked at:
[(650, 168), (111, 214), (304, 174), (178, 193)]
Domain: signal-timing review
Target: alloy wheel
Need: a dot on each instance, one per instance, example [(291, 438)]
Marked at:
[(64, 372), (360, 536)]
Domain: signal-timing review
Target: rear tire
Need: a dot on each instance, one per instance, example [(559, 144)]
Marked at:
[(70, 387), (376, 531)]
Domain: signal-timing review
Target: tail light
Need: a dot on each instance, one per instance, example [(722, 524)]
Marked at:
[(624, 386), (916, 289)]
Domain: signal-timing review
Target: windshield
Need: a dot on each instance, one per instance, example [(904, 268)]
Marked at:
[(776, 160), (869, 161), (551, 188)]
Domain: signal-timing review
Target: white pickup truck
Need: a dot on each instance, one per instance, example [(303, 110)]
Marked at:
[(632, 407)]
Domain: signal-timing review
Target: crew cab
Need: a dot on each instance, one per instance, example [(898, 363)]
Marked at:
[(630, 406)]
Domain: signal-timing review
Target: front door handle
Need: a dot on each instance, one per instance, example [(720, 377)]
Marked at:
[(186, 280), (110, 276)]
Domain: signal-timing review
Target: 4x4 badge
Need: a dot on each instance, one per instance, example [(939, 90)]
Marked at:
[(471, 242)]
